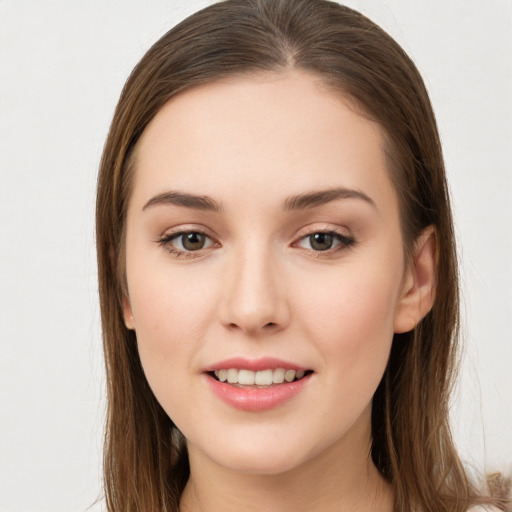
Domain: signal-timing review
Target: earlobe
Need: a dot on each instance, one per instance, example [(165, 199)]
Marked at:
[(127, 313), (419, 284)]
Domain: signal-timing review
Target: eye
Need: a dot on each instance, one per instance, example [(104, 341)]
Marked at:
[(192, 241), (184, 243), (326, 241)]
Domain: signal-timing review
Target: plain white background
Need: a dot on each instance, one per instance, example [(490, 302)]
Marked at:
[(62, 66)]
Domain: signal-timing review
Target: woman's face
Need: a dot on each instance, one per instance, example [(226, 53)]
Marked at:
[(263, 235)]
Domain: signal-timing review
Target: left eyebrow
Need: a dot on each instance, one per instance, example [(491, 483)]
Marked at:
[(320, 197)]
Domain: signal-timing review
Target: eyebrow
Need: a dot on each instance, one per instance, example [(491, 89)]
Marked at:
[(320, 197), (185, 199), (293, 203)]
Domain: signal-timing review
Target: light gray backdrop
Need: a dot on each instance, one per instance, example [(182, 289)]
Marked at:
[(62, 66)]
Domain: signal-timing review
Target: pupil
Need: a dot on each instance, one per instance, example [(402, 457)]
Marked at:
[(193, 241), (321, 241)]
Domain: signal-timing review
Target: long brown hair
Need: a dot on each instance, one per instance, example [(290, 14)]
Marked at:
[(145, 460)]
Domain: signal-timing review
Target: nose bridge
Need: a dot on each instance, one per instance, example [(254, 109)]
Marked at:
[(254, 298)]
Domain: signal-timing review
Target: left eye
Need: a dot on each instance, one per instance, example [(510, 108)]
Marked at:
[(326, 240)]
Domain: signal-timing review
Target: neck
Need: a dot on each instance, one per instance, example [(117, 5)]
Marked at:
[(341, 478)]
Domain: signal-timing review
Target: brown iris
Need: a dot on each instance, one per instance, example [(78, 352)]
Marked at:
[(321, 241), (193, 241)]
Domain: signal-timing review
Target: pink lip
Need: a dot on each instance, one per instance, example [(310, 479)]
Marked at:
[(264, 363), (253, 398), (257, 399)]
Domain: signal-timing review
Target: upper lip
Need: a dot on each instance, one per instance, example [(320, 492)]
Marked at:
[(263, 363)]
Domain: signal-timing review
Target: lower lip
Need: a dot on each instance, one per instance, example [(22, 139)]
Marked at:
[(257, 399)]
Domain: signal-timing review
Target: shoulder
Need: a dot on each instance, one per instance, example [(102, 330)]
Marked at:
[(481, 508)]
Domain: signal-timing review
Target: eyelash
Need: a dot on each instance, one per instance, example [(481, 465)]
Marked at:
[(165, 242), (345, 242)]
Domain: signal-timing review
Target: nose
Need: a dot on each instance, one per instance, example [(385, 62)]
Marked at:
[(253, 292)]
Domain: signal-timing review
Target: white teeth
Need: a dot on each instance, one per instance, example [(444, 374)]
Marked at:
[(278, 376), (289, 375), (263, 378), (246, 377), (260, 378), (232, 376)]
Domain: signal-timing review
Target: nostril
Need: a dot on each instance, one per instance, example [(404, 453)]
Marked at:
[(251, 328)]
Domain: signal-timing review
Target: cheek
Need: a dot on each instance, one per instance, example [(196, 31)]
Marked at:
[(169, 311), (351, 317)]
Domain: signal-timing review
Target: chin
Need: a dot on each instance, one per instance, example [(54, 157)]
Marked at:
[(256, 456), (260, 462)]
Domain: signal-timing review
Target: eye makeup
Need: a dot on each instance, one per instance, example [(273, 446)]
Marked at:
[(189, 244)]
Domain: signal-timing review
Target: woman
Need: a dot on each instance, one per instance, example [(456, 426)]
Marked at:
[(277, 270)]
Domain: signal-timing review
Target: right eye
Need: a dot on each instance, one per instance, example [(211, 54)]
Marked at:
[(184, 244)]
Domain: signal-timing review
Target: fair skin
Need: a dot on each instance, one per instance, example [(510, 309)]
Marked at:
[(253, 281)]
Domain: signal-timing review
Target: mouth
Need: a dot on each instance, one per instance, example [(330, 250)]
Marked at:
[(244, 378), (257, 385)]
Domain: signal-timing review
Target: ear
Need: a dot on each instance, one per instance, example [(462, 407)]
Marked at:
[(419, 283), (127, 313)]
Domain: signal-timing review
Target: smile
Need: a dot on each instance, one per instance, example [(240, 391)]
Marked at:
[(256, 385), (265, 378)]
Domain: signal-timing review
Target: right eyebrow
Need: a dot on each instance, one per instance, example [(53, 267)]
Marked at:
[(187, 200)]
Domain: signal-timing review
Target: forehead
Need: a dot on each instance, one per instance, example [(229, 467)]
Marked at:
[(268, 136)]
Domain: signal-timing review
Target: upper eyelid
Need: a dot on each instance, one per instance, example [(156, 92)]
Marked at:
[(326, 229), (198, 228), (309, 231), (180, 230), (337, 231), (168, 237), (204, 231)]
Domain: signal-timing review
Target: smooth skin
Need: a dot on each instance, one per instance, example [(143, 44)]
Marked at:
[(258, 283)]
